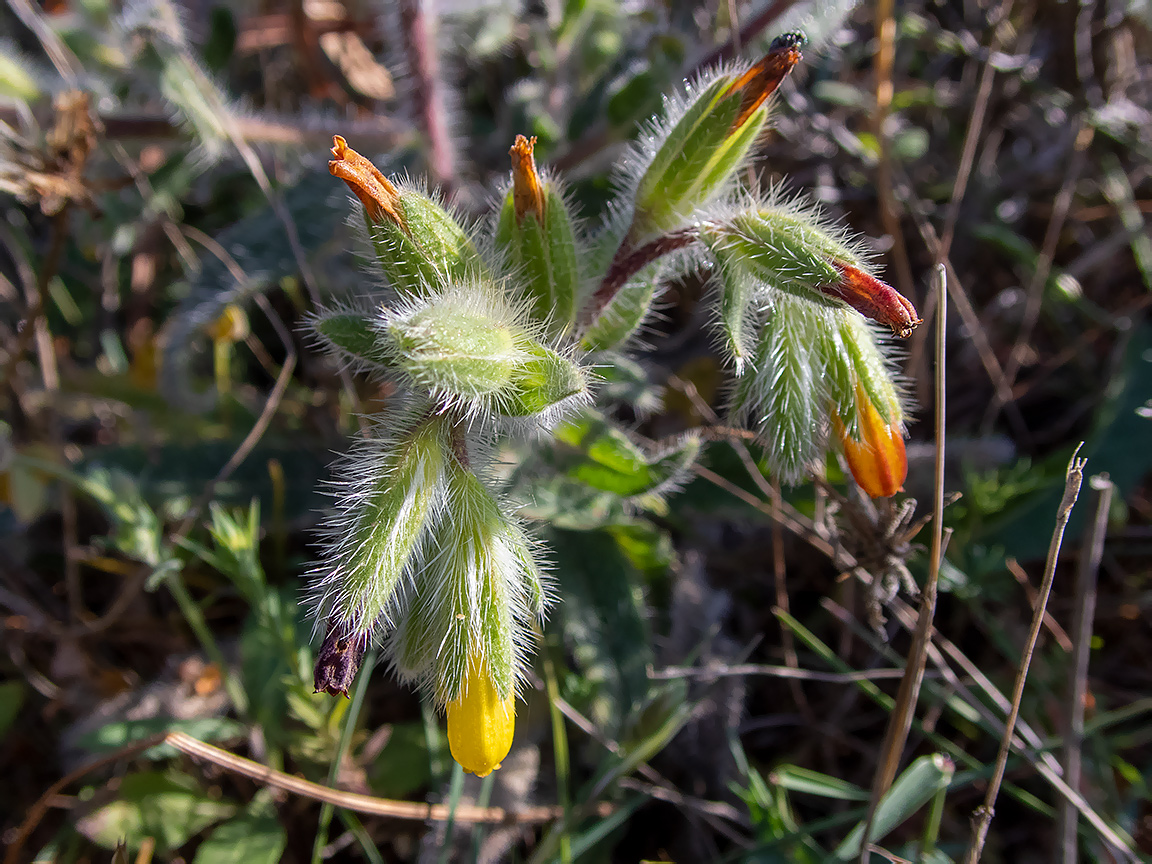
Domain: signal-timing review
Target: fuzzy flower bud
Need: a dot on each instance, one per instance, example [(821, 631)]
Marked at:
[(469, 347), (480, 722), (783, 396), (469, 619), (418, 243), (793, 249), (870, 424), (702, 149), (878, 460), (535, 230)]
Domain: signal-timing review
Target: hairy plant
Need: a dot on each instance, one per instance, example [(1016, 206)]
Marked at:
[(492, 330)]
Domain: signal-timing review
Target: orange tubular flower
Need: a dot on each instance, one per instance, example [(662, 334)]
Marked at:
[(379, 197), (761, 81), (878, 460), (873, 299), (480, 723), (527, 195)]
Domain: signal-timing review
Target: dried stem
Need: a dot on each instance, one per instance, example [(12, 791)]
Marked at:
[(982, 818), (411, 810), (896, 735), (1090, 554)]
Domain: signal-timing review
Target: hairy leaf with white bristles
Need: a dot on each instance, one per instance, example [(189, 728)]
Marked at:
[(429, 250), (477, 598), (388, 488), (353, 336), (617, 322), (785, 397), (543, 248)]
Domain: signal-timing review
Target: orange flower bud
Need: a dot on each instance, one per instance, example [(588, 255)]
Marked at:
[(527, 196), (480, 722), (877, 460), (376, 193), (873, 299), (761, 81)]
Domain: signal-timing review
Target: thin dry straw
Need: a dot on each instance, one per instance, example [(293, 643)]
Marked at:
[(982, 818), (1091, 552), (896, 736)]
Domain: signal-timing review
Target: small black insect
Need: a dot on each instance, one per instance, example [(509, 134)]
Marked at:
[(784, 41)]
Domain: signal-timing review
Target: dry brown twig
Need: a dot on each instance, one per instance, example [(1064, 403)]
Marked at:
[(896, 735), (186, 744), (1091, 553), (982, 818)]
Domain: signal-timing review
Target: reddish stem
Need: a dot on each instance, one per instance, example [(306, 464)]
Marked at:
[(629, 261), (419, 24)]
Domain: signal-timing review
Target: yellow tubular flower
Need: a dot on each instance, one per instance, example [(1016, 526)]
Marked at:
[(480, 723), (877, 460)]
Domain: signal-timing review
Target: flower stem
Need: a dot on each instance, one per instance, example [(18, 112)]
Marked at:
[(629, 261)]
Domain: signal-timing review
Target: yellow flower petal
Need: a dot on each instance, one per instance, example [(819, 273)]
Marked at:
[(480, 723)]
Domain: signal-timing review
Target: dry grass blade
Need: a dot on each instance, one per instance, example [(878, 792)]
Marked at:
[(1090, 554), (900, 721), (982, 818), (195, 748)]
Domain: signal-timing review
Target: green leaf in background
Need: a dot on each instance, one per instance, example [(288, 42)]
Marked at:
[(168, 807), (624, 381), (797, 779), (401, 769), (1117, 445), (569, 504), (250, 838), (914, 788), (609, 461), (604, 621), (11, 701), (649, 549), (113, 736)]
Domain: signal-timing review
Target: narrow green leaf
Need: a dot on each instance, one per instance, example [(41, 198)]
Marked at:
[(797, 779), (914, 788)]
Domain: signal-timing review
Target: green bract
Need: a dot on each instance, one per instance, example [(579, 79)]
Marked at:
[(699, 154), (451, 348), (543, 250), (400, 482), (617, 322), (790, 252), (427, 250), (475, 597)]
